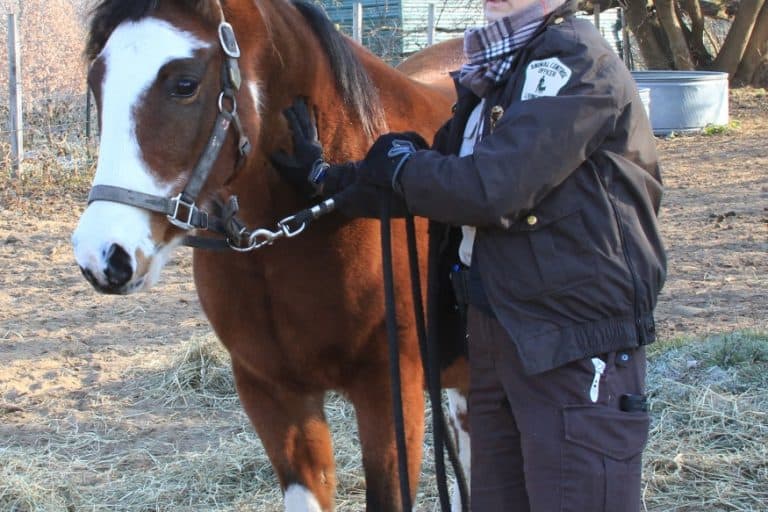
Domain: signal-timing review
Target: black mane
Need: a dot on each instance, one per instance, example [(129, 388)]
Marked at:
[(352, 78), (354, 84)]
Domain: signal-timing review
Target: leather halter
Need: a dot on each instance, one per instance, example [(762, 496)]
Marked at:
[(182, 210)]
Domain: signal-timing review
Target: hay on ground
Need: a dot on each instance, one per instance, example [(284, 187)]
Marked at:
[(708, 448), (182, 443)]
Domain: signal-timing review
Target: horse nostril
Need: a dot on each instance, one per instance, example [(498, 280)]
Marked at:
[(119, 269), (89, 276)]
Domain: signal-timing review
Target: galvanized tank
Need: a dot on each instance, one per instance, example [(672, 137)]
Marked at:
[(645, 97), (685, 101)]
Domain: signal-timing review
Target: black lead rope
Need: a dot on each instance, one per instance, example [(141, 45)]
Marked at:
[(431, 370), (430, 361), (430, 357), (394, 353)]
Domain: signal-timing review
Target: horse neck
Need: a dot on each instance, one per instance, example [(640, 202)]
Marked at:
[(284, 58), (271, 64), (409, 105), (305, 70)]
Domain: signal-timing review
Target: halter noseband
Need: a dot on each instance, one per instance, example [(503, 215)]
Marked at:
[(181, 210)]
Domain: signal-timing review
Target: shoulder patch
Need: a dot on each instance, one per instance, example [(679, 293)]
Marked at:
[(545, 78)]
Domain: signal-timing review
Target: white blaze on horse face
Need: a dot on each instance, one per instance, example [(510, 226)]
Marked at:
[(133, 55), (299, 499)]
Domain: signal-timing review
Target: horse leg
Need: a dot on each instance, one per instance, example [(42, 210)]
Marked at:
[(295, 435), (459, 426), (377, 432)]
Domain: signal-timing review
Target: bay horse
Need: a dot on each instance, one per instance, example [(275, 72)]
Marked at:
[(190, 96)]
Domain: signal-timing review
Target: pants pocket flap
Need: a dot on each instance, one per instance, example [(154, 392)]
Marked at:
[(616, 434)]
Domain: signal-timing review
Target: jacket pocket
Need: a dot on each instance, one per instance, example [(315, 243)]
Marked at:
[(555, 256), (612, 442)]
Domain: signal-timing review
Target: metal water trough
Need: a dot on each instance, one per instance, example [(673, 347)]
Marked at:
[(685, 101)]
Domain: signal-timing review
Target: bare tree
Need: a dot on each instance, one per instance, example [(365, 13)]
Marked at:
[(52, 35), (676, 34)]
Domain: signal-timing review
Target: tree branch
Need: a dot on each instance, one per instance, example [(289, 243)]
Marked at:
[(695, 36), (681, 55), (755, 51), (736, 41), (648, 34)]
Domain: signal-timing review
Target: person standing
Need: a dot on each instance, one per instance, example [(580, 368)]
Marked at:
[(547, 184)]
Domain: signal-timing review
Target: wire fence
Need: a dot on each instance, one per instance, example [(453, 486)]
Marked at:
[(60, 128), (54, 117), (56, 110)]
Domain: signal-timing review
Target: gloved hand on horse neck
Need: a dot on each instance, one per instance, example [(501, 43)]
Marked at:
[(305, 169), (360, 188)]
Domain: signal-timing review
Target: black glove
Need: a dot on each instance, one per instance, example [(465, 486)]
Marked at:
[(305, 169), (386, 159), (364, 200), (376, 177)]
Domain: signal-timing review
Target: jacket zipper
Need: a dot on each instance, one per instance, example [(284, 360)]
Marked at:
[(622, 236)]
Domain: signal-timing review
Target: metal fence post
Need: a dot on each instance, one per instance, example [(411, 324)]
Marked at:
[(430, 24), (88, 114), (596, 14), (15, 123), (625, 41), (357, 22)]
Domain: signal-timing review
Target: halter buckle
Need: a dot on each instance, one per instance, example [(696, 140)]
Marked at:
[(228, 40), (178, 205)]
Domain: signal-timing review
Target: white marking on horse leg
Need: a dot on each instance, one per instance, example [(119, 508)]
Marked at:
[(132, 57), (299, 499), (457, 407)]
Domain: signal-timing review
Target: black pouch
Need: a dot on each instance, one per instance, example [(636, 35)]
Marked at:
[(460, 281), (633, 403)]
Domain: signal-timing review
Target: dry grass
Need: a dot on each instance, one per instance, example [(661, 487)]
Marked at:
[(709, 438), (120, 466), (59, 160), (708, 448)]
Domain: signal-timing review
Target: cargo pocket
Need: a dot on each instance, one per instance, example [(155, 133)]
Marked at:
[(609, 444)]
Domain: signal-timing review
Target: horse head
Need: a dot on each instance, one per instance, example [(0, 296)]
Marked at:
[(159, 72)]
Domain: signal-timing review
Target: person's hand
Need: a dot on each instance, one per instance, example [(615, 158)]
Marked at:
[(364, 200), (305, 169), (375, 186), (384, 162)]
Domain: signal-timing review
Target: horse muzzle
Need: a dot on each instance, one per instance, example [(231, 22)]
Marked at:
[(115, 250), (115, 275)]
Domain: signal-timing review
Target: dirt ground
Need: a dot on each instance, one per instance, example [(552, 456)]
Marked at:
[(66, 351)]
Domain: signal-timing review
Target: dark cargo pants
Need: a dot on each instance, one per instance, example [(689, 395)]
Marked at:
[(539, 442)]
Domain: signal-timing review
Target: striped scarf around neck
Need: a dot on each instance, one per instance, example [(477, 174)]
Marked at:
[(491, 50)]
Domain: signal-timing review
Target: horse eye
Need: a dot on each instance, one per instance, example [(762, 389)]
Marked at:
[(184, 88)]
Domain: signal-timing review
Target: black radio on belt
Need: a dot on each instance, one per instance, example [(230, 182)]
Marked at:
[(460, 280), (633, 403)]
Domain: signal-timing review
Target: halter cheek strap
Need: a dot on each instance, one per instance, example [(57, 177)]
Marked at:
[(182, 210)]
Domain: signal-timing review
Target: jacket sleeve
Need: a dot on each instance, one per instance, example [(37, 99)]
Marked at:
[(534, 147), (440, 140)]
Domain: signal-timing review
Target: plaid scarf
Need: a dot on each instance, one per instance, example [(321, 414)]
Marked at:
[(490, 50)]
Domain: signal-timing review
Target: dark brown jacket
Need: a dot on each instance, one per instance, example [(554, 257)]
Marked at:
[(564, 189)]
